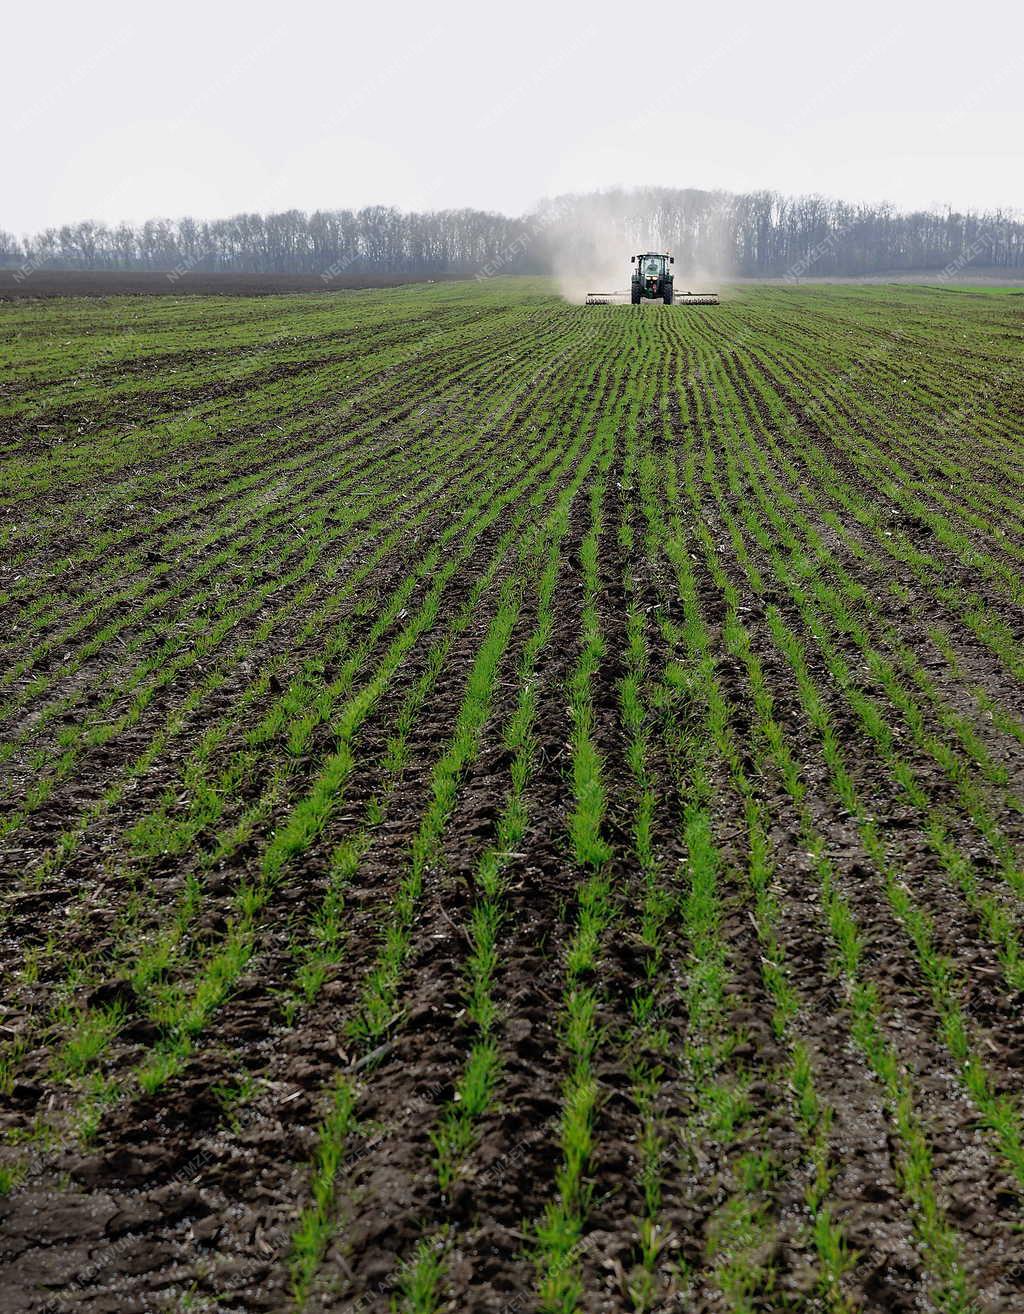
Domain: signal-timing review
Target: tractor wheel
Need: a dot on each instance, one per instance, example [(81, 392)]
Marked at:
[(668, 294), (634, 294)]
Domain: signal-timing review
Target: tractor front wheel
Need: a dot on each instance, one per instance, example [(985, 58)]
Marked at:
[(634, 294), (668, 294)]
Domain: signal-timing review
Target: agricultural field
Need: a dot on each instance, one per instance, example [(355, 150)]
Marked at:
[(513, 807), (32, 284)]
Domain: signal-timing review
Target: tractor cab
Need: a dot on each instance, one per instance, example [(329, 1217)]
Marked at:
[(652, 279)]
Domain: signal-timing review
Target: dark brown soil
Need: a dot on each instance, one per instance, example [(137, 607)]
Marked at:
[(124, 1200), (16, 285)]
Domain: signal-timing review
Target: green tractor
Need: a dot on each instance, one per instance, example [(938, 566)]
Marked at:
[(651, 278), (652, 281)]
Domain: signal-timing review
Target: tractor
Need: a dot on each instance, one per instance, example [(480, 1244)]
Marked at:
[(651, 280)]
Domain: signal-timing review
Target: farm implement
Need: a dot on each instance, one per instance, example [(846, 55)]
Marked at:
[(652, 281)]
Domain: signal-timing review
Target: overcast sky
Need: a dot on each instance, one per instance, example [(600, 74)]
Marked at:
[(126, 110)]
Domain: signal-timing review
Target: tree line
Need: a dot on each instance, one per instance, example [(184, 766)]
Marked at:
[(758, 234)]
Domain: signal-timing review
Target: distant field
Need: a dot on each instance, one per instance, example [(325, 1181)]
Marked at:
[(18, 285), (510, 806)]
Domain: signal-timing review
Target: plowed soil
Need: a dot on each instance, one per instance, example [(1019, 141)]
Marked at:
[(21, 284), (333, 627)]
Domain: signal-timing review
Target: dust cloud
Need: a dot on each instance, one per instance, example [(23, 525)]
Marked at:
[(586, 241)]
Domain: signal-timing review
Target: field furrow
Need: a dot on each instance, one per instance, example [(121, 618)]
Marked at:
[(508, 806)]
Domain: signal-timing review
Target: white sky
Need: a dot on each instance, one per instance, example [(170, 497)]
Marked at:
[(132, 110)]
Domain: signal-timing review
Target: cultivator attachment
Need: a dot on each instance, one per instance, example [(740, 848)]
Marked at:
[(679, 299)]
